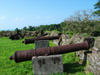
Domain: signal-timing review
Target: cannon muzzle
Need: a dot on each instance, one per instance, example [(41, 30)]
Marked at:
[(26, 55), (11, 57)]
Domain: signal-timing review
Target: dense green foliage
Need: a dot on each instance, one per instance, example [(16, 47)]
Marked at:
[(45, 27), (58, 27), (97, 6), (81, 22), (91, 28)]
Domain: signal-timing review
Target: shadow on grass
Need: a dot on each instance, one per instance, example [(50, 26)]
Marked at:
[(74, 67)]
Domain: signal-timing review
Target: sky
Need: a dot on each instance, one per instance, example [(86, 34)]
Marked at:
[(25, 13)]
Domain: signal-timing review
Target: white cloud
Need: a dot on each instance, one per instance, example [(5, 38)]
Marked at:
[(3, 17), (18, 19), (30, 16), (41, 21), (37, 17), (48, 17), (15, 20), (22, 18), (52, 16)]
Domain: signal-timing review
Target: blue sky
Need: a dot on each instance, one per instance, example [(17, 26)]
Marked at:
[(21, 13)]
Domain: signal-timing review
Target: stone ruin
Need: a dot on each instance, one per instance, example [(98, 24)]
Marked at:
[(91, 57), (32, 34), (23, 33), (7, 33)]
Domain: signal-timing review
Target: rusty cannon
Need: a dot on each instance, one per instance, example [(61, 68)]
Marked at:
[(28, 41), (26, 55), (42, 35), (13, 36)]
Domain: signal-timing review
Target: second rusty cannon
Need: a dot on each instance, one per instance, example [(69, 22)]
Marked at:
[(26, 55), (16, 36), (28, 41), (12, 37), (42, 35)]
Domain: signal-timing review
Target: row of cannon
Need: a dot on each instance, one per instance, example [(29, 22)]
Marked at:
[(26, 55)]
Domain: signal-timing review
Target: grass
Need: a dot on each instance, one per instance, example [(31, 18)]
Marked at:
[(95, 38), (85, 34), (56, 31), (90, 73), (70, 33), (88, 62), (9, 67)]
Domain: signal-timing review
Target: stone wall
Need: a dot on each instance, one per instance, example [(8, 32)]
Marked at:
[(23, 33), (91, 57), (54, 34), (7, 33)]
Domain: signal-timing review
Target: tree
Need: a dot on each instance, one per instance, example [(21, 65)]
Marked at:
[(97, 6), (18, 30), (30, 28), (33, 28), (25, 28)]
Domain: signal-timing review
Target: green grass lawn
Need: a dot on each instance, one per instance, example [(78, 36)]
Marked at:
[(10, 67)]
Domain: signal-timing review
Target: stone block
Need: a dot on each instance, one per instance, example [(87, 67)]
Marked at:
[(47, 64), (90, 40), (95, 51), (53, 33), (97, 42), (56, 41), (98, 64), (91, 68), (65, 39), (76, 39)]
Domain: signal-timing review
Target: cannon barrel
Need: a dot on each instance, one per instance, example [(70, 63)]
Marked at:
[(13, 35), (42, 35), (26, 55), (28, 41)]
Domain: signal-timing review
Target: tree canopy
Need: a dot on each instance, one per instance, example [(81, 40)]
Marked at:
[(97, 6)]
